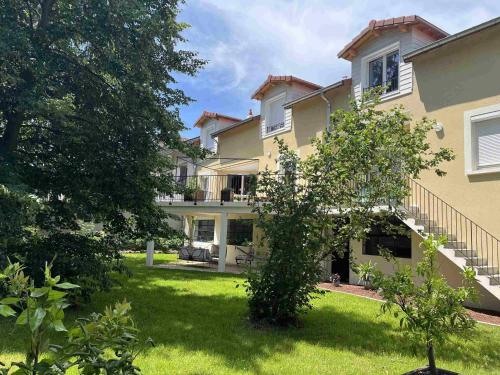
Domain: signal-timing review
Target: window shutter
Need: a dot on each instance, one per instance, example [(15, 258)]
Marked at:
[(488, 143)]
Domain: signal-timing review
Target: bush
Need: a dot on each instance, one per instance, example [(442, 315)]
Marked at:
[(101, 344), (81, 259), (161, 244)]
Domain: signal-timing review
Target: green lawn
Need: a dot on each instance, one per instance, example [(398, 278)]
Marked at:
[(197, 321)]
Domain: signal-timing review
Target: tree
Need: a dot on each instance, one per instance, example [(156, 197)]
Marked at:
[(431, 310), (361, 165), (357, 175), (88, 105), (287, 213)]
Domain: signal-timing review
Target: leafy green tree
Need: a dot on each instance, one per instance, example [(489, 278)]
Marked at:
[(356, 176), (288, 212), (88, 105), (429, 310), (363, 162)]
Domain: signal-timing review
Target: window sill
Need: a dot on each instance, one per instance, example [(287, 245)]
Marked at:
[(479, 172), (273, 133)]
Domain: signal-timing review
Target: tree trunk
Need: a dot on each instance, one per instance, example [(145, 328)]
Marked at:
[(432, 360), (9, 138)]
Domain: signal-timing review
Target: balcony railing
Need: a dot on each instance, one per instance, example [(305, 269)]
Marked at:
[(212, 188)]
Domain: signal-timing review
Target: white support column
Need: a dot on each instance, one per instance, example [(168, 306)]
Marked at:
[(189, 228), (150, 251), (221, 266)]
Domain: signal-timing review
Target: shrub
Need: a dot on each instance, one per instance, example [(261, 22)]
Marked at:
[(103, 343), (432, 310), (81, 259)]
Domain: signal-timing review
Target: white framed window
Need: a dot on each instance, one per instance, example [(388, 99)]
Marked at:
[(382, 69), (482, 140), (275, 114)]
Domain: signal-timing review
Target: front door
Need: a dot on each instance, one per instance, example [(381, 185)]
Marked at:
[(341, 265)]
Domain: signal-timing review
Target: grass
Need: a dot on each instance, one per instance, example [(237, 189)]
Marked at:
[(198, 322)]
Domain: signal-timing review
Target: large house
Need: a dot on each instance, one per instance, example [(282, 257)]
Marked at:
[(454, 79)]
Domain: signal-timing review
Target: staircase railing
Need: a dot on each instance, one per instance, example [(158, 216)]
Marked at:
[(469, 240)]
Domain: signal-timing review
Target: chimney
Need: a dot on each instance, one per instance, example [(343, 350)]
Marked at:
[(250, 113)]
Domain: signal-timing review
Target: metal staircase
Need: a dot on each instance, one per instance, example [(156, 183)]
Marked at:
[(468, 243)]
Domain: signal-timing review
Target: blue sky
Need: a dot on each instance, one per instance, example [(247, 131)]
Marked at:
[(245, 40)]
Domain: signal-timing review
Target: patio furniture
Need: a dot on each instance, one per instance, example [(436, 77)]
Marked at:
[(247, 257), (214, 252), (184, 253), (201, 255)]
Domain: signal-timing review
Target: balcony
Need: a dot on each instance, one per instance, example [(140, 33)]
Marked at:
[(212, 188)]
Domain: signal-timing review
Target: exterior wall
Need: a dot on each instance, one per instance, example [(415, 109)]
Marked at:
[(460, 77), (292, 92), (210, 126)]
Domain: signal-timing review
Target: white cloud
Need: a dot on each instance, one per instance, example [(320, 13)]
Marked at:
[(245, 41)]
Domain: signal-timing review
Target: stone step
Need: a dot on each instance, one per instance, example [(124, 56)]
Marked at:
[(476, 261), (494, 279), (465, 253), (486, 270), (451, 244)]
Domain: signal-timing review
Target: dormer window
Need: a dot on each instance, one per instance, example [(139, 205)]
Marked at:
[(381, 69), (384, 71), (275, 113)]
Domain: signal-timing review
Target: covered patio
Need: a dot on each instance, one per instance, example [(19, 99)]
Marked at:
[(222, 217)]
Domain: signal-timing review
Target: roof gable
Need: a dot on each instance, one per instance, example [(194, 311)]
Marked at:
[(214, 115), (375, 27), (273, 80)]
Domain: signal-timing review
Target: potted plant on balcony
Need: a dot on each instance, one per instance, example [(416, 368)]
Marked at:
[(193, 192)]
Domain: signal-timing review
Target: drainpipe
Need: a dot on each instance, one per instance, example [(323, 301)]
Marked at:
[(329, 110)]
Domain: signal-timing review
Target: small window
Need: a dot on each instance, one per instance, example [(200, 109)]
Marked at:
[(275, 114), (398, 245), (204, 230), (487, 144), (182, 178), (482, 140), (384, 71), (239, 231)]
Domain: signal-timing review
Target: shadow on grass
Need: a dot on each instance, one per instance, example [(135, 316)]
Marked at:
[(201, 312)]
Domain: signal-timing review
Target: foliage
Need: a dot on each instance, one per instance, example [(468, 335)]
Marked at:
[(433, 310), (363, 161), (89, 343), (87, 110), (40, 310), (173, 242), (287, 214), (86, 260), (365, 272)]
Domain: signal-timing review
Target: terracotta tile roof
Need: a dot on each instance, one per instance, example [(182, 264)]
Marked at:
[(193, 141), (208, 115), (271, 80), (376, 26)]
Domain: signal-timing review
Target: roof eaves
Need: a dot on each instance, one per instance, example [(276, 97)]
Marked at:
[(452, 38), (317, 92)]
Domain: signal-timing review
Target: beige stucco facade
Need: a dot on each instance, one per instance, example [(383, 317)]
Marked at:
[(447, 82)]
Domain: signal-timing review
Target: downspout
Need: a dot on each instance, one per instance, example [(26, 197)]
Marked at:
[(328, 110)]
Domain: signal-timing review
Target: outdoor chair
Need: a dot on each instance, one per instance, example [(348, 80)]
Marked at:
[(247, 257)]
